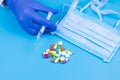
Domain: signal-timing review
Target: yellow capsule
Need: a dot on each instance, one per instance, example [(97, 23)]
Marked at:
[(59, 50), (67, 51), (58, 58), (49, 52), (54, 54), (56, 45)]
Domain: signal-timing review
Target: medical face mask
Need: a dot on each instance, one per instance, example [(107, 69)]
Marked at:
[(90, 34)]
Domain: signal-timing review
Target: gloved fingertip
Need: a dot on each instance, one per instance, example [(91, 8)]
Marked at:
[(32, 32), (55, 11), (35, 26), (52, 28)]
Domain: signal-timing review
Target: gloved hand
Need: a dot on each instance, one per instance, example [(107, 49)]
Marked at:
[(26, 12)]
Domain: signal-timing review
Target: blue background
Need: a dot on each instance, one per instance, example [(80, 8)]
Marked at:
[(21, 58)]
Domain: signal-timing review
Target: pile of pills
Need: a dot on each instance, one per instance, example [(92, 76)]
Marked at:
[(57, 53)]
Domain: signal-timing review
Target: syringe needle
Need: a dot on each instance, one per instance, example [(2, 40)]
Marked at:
[(43, 27)]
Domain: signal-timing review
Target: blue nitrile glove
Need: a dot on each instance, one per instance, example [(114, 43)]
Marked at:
[(26, 12)]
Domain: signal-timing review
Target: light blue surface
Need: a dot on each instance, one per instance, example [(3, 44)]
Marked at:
[(21, 59)]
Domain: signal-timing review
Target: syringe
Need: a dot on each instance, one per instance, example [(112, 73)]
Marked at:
[(41, 31)]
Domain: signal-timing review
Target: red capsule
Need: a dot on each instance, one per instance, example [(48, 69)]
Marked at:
[(52, 45), (64, 61), (46, 56), (51, 49)]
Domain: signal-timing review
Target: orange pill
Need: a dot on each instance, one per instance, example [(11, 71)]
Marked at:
[(52, 61), (62, 49)]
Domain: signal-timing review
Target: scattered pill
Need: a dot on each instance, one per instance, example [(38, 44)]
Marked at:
[(58, 53), (47, 50), (67, 55), (67, 51), (60, 43), (51, 49), (64, 61), (56, 45), (52, 45), (70, 53), (62, 49), (63, 53), (62, 58), (46, 55), (52, 61)]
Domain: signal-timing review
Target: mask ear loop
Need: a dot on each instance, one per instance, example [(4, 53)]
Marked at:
[(95, 6), (98, 11), (62, 12), (73, 6), (106, 12), (100, 3), (86, 6), (117, 24)]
